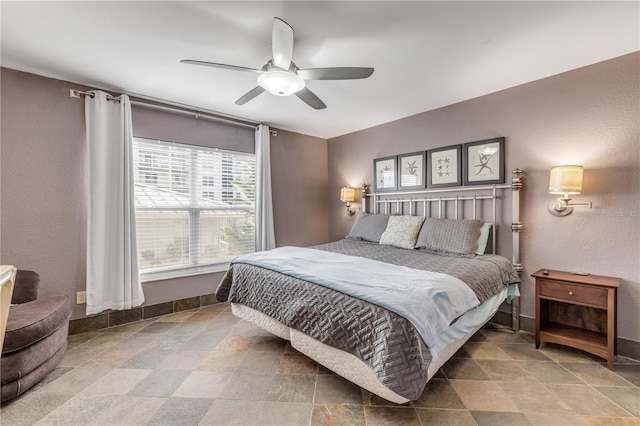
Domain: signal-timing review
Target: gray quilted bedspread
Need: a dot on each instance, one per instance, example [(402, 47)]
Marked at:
[(382, 339)]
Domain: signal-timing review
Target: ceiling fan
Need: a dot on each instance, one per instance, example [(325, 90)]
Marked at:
[(282, 77)]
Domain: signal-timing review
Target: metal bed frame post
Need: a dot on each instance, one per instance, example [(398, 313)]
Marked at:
[(516, 186)]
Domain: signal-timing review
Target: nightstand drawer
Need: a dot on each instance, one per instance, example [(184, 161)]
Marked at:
[(592, 296)]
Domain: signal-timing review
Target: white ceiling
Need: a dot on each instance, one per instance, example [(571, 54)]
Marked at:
[(426, 54)]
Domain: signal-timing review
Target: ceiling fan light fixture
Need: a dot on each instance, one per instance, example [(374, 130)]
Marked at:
[(281, 82)]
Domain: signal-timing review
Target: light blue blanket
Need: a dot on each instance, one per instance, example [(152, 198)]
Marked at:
[(430, 300)]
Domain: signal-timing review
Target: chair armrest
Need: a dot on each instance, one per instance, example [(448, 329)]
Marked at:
[(26, 287)]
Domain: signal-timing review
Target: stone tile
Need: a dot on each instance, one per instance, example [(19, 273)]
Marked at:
[(611, 421), (297, 364), (272, 344), (186, 304), (79, 410), (284, 414), (563, 353), (534, 398), (506, 371), (523, 352), (80, 339), (188, 329), (203, 316), (492, 418), (587, 401), (208, 300), (483, 396), (485, 350), (157, 310), (158, 327), (175, 317), (125, 317), (464, 369), (445, 417), (149, 358), (337, 415), (247, 386), (291, 388), (391, 416), (53, 375), (31, 407), (260, 362), (203, 384), (335, 389), (112, 358), (226, 412), (182, 360), (118, 381), (544, 419), (181, 411), (129, 411), (630, 372), (159, 383), (595, 374), (369, 398), (75, 380), (92, 323), (221, 361), (439, 394), (626, 397), (131, 327), (235, 344), (549, 372), (502, 335), (203, 341), (244, 328)]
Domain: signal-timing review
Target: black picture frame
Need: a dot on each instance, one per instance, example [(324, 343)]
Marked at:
[(385, 174), (445, 166), (412, 170), (484, 162)]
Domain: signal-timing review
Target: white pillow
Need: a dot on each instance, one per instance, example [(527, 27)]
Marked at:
[(483, 239), (402, 231)]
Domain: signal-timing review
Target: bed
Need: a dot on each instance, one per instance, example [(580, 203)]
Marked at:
[(362, 306)]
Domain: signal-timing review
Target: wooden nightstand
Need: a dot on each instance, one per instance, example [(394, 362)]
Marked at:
[(577, 311)]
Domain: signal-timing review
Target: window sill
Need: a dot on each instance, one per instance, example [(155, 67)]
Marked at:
[(148, 277)]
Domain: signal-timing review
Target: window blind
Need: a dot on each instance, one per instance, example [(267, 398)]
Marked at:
[(195, 207)]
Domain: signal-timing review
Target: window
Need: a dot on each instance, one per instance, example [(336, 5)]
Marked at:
[(195, 207)]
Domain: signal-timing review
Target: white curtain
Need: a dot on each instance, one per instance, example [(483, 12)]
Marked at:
[(265, 235), (113, 281)]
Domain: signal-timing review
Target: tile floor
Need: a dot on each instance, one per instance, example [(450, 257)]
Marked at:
[(207, 367)]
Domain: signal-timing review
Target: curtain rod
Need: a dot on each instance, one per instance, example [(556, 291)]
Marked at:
[(196, 114)]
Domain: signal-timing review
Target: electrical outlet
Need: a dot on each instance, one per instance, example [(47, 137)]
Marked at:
[(81, 297)]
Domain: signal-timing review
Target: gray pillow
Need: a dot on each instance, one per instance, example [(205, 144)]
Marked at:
[(369, 227), (449, 236), (402, 231)]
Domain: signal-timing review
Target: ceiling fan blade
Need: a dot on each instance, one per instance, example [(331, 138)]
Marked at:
[(223, 66), (282, 43), (249, 95), (339, 73), (310, 99)]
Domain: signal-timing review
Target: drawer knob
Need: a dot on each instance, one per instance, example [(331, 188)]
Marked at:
[(570, 293)]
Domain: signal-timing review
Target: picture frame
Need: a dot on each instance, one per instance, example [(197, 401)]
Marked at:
[(445, 166), (385, 174), (484, 162), (412, 170)]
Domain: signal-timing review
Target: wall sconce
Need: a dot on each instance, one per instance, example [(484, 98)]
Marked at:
[(348, 195), (565, 180)]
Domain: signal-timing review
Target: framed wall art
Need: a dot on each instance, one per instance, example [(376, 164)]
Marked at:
[(484, 162), (385, 174), (411, 170), (445, 166)]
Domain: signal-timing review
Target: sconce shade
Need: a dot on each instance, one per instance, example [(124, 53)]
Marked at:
[(347, 194), (565, 180)]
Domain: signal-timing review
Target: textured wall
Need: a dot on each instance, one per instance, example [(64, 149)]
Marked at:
[(588, 116), (42, 175)]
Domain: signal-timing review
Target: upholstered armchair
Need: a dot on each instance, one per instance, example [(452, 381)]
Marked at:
[(35, 338)]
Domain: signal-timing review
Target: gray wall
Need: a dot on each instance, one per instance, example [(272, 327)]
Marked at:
[(587, 116), (42, 198)]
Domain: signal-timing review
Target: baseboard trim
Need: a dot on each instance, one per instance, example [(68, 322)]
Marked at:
[(626, 347), (115, 318)]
